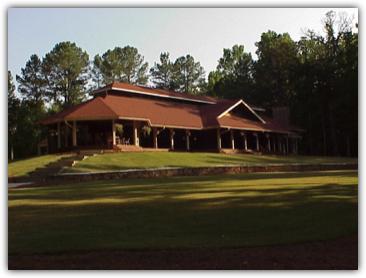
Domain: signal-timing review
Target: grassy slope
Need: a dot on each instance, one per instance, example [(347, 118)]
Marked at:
[(21, 167), (184, 212), (116, 162)]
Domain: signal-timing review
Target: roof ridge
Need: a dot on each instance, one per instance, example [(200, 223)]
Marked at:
[(157, 92)]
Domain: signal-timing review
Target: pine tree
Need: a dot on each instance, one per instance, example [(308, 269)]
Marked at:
[(66, 68), (162, 74), (122, 65)]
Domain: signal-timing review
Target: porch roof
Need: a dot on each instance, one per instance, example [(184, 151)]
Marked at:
[(160, 113)]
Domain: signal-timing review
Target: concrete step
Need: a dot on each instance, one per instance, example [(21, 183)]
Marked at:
[(130, 148), (90, 152)]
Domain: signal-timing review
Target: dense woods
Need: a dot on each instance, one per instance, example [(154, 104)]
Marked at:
[(316, 77)]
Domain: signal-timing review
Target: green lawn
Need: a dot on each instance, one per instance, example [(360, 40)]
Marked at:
[(21, 167), (184, 212), (121, 161)]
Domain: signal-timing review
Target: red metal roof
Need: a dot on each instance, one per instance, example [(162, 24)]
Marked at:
[(161, 113), (157, 92)]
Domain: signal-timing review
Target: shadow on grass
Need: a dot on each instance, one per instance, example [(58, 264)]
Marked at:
[(191, 212), (116, 162)]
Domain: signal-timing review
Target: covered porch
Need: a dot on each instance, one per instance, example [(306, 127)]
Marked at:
[(113, 134)]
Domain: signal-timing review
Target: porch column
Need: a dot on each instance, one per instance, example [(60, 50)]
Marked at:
[(188, 134), (245, 140), (74, 143), (113, 132), (280, 144), (135, 134), (286, 144), (59, 135), (268, 142), (257, 141), (155, 137), (232, 139), (296, 149), (218, 139), (172, 133)]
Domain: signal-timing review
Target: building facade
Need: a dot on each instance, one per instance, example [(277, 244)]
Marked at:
[(122, 114)]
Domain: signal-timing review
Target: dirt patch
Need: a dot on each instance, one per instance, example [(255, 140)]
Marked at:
[(327, 255)]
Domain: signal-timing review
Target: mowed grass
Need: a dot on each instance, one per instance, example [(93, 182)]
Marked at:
[(21, 167), (122, 161), (184, 212)]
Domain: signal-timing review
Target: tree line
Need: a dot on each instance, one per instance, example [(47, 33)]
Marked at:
[(316, 77)]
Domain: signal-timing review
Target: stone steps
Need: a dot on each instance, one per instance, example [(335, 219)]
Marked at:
[(52, 168), (129, 148)]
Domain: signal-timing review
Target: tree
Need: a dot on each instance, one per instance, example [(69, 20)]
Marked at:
[(236, 63), (233, 76), (275, 71), (95, 74), (328, 87), (122, 65), (32, 83), (66, 68), (162, 74), (13, 107), (23, 135), (189, 76)]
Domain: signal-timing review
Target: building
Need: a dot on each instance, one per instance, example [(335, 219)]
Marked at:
[(122, 114)]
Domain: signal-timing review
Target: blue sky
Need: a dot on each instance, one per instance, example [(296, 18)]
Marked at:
[(200, 32)]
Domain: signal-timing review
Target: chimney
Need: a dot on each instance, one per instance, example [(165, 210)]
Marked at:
[(281, 114)]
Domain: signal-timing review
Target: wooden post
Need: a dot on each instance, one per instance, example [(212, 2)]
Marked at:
[(187, 139), (245, 142), (155, 137), (257, 141), (11, 152), (172, 133), (232, 139), (59, 135), (74, 143), (113, 132), (296, 149), (218, 139), (280, 144), (135, 134)]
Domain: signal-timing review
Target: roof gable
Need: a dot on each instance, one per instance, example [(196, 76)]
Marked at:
[(241, 110)]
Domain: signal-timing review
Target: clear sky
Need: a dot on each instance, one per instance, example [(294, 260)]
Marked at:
[(200, 32)]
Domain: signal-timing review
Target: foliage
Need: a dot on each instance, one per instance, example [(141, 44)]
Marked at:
[(316, 77), (13, 108), (184, 75), (121, 65), (32, 83), (146, 130), (275, 70), (162, 74), (188, 75), (65, 69), (233, 77)]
